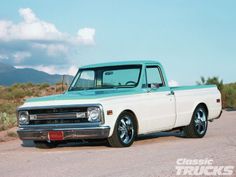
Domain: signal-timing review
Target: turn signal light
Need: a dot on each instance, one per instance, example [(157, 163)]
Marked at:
[(109, 112)]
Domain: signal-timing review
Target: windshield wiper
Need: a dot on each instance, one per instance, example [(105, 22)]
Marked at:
[(76, 89)]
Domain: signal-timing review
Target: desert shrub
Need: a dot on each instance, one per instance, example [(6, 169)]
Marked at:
[(18, 93), (11, 134), (29, 85), (8, 108), (211, 81), (7, 120), (228, 91), (229, 95), (29, 93), (44, 86), (1, 89), (13, 96)]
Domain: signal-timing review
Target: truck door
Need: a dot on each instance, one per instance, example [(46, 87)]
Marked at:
[(161, 105)]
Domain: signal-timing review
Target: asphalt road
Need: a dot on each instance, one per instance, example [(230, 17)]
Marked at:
[(152, 155)]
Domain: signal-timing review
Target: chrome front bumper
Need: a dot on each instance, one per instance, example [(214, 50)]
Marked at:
[(70, 133)]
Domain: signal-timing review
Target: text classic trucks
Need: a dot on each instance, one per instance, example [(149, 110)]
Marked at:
[(118, 101)]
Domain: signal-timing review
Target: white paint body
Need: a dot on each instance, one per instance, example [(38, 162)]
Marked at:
[(155, 111)]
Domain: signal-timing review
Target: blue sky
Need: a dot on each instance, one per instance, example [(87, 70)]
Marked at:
[(191, 38)]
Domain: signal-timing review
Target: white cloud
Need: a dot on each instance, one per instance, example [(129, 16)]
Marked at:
[(52, 69), (72, 70), (20, 56), (86, 36), (47, 69), (39, 41), (28, 15), (31, 28), (2, 57), (173, 83), (52, 49)]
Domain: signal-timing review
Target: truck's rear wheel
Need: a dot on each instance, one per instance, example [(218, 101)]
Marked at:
[(198, 125), (124, 132), (45, 144)]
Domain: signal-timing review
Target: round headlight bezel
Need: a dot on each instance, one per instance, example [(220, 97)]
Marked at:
[(93, 114), (23, 117)]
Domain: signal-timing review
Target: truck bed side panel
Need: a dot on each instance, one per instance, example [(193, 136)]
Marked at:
[(187, 99)]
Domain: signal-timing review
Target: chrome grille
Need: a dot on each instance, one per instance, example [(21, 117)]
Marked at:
[(54, 116), (58, 116)]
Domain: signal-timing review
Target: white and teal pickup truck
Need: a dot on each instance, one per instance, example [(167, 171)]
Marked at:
[(118, 101)]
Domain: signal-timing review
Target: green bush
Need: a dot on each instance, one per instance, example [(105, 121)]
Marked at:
[(8, 107), (228, 91), (229, 95), (43, 86), (12, 134), (7, 121), (13, 96)]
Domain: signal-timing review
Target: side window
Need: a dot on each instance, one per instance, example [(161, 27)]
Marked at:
[(121, 77), (154, 77), (86, 80)]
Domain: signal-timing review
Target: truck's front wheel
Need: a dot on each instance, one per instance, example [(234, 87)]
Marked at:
[(198, 125), (125, 131)]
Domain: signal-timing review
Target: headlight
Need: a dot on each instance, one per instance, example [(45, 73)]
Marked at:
[(23, 117), (93, 114)]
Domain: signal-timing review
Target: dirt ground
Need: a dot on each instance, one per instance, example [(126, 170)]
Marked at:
[(8, 135), (150, 156)]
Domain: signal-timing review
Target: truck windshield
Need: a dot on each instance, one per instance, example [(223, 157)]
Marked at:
[(107, 77)]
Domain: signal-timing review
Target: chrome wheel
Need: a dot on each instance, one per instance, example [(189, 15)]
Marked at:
[(126, 129), (200, 121)]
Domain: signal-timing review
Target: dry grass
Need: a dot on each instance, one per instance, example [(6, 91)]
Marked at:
[(13, 96), (8, 135), (11, 134)]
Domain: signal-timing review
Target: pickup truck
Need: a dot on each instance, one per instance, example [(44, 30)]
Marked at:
[(117, 102)]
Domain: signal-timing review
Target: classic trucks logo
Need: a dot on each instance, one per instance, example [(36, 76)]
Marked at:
[(201, 167)]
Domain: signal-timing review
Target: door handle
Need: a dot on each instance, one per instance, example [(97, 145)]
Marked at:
[(171, 93)]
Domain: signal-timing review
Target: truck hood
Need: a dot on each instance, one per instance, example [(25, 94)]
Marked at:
[(87, 94)]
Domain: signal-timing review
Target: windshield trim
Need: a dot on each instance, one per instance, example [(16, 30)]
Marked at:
[(95, 69)]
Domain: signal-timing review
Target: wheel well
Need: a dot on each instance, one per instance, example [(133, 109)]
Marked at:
[(203, 105), (135, 117)]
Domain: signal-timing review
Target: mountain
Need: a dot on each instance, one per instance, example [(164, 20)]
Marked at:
[(5, 67), (10, 75)]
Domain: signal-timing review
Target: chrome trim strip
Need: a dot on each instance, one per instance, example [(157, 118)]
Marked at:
[(57, 106), (75, 125), (69, 133), (53, 116)]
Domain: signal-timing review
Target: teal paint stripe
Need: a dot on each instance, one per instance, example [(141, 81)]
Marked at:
[(192, 87), (141, 62), (81, 95), (97, 94)]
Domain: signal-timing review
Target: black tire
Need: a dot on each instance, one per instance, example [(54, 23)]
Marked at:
[(126, 126), (198, 125), (45, 144)]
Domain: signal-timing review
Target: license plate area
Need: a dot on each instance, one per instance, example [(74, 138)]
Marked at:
[(55, 135)]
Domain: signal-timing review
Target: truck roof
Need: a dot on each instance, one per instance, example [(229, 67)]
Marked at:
[(120, 63)]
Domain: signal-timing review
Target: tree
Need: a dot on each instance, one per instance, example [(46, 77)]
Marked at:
[(211, 81), (202, 81)]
